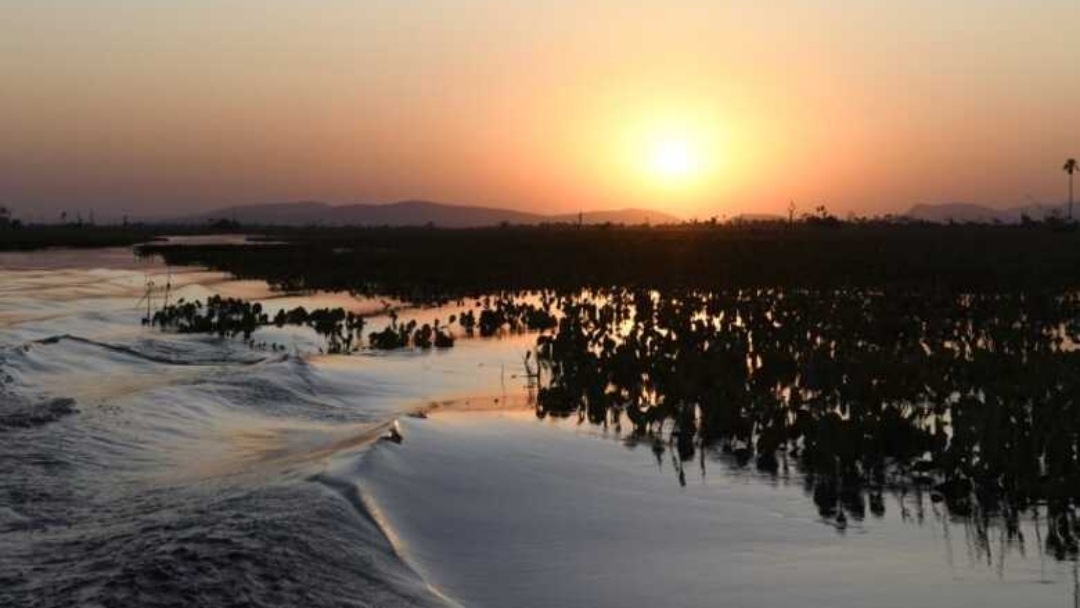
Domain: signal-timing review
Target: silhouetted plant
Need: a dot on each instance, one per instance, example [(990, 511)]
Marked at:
[(936, 362), (1070, 168)]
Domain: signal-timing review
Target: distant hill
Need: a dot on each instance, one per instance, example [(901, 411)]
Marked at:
[(411, 213), (967, 212)]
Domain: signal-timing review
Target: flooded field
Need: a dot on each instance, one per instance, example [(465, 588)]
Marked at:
[(158, 468)]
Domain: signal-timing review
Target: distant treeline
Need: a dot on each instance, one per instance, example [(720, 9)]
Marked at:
[(19, 236), (32, 237), (432, 264), (87, 236)]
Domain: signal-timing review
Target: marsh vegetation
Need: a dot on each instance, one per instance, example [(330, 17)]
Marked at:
[(933, 360), (431, 265)]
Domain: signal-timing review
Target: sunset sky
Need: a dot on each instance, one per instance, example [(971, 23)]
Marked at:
[(697, 107)]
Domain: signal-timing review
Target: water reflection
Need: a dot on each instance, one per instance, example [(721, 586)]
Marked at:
[(952, 414), (964, 403), (963, 400)]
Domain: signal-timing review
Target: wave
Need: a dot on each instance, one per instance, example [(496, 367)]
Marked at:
[(364, 506), (157, 469), (161, 358), (93, 513), (268, 545)]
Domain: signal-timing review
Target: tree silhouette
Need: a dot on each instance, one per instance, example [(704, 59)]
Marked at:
[(1070, 168)]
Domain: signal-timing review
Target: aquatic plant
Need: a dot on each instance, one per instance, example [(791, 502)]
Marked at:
[(342, 330), (971, 395), (931, 360)]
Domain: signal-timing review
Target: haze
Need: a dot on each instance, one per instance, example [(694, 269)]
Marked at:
[(698, 108)]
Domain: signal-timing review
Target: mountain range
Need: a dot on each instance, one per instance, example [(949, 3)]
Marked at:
[(421, 213), (411, 213)]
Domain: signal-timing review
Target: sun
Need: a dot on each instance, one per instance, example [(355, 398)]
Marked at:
[(664, 154), (674, 159)]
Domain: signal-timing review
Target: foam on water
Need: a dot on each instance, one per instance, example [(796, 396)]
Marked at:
[(141, 468)]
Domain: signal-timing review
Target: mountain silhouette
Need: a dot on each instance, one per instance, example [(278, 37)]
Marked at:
[(411, 213)]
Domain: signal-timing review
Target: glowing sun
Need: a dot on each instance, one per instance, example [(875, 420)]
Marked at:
[(674, 155), (674, 159)]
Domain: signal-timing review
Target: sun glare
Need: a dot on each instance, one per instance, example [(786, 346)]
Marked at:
[(674, 156), (677, 154), (674, 159)]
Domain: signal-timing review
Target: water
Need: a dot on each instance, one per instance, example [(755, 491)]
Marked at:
[(570, 517), (141, 468)]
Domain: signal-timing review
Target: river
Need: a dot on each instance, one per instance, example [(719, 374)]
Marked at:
[(141, 468)]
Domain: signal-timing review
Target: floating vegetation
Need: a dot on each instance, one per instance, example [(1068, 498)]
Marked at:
[(972, 397), (342, 330), (936, 360), (231, 317), (401, 335)]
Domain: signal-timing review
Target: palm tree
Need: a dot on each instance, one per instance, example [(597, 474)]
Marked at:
[(1070, 168)]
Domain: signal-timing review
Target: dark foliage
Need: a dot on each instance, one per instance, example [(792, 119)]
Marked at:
[(32, 237), (939, 360), (972, 395), (426, 264), (342, 330)]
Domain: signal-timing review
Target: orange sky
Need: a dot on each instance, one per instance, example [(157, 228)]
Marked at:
[(143, 106)]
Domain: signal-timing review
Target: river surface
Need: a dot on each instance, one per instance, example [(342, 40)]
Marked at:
[(139, 468)]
